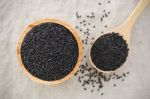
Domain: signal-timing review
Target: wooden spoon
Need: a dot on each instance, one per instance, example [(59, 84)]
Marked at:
[(125, 28)]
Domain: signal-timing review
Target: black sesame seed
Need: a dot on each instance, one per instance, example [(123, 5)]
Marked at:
[(100, 86), (124, 74), (128, 73), (92, 13), (86, 64), (77, 15), (114, 74), (94, 26), (75, 74), (101, 19)]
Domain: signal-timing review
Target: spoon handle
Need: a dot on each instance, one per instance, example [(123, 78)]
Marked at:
[(136, 12)]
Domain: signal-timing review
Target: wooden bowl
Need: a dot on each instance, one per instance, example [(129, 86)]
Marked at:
[(75, 34)]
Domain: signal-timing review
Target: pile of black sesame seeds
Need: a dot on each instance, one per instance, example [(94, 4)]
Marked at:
[(109, 52), (49, 51), (90, 79)]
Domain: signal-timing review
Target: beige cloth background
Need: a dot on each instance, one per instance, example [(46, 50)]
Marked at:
[(15, 15)]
